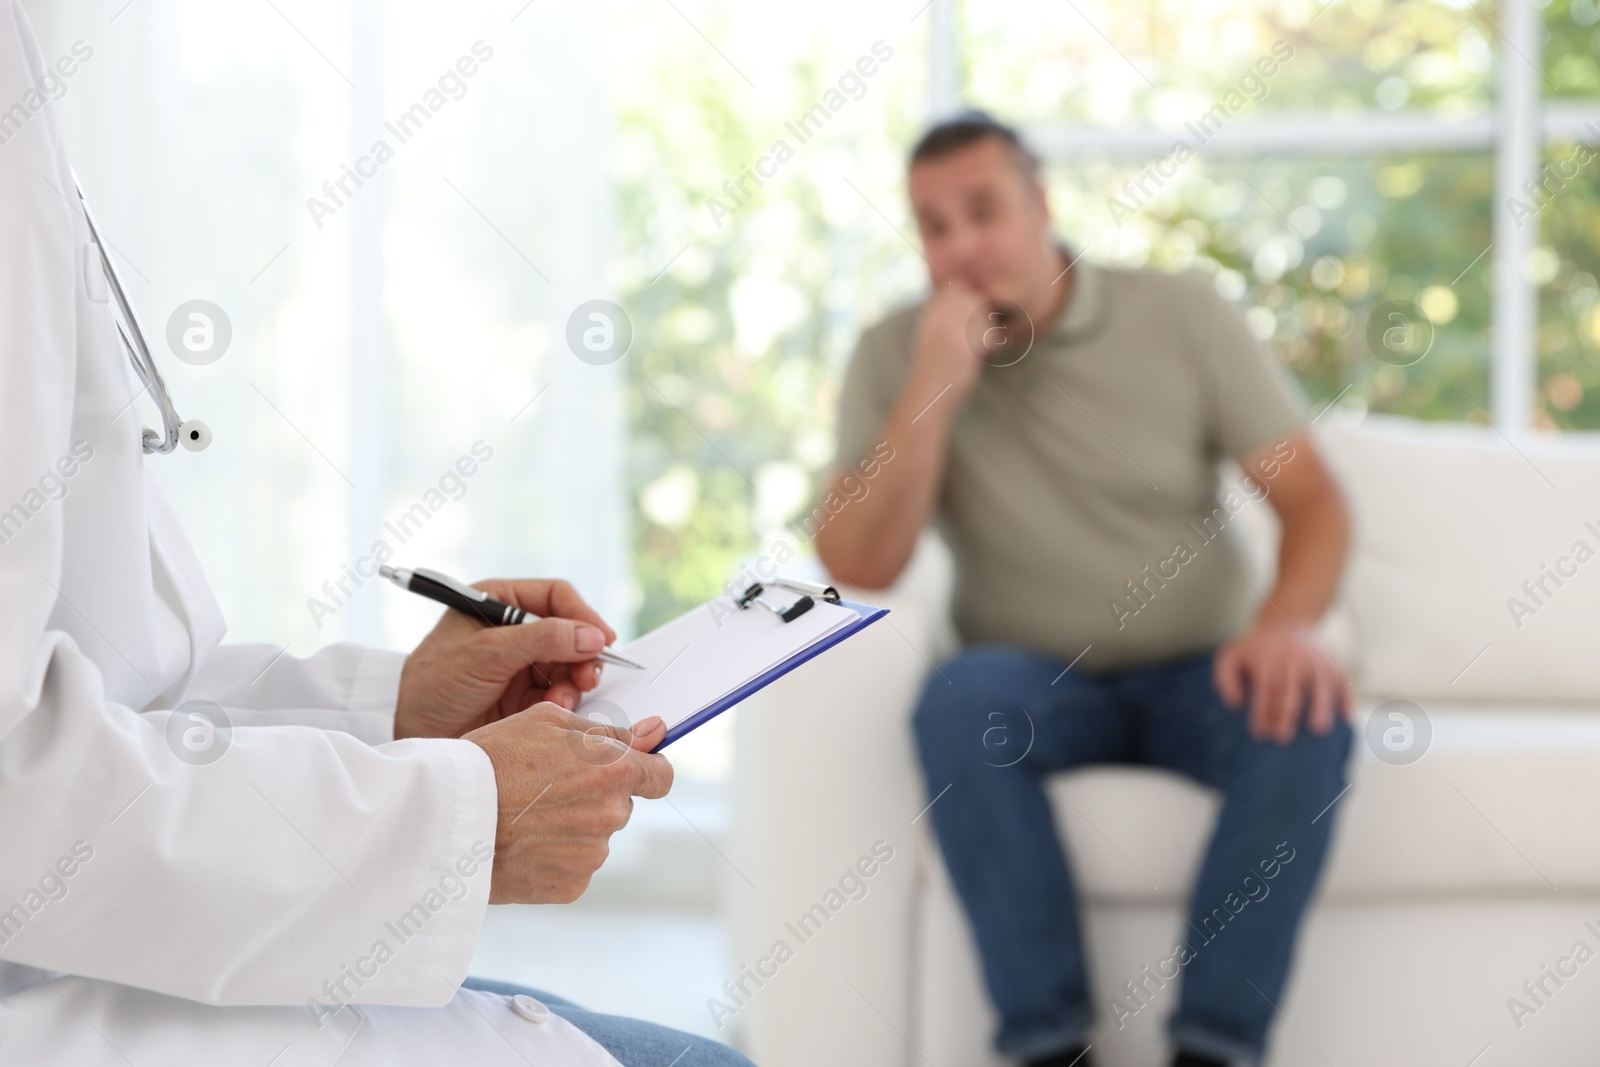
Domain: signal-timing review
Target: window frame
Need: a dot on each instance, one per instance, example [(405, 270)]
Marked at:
[(1516, 132)]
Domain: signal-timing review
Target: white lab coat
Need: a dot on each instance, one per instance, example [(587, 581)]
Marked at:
[(155, 911)]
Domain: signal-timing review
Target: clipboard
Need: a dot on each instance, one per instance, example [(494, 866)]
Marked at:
[(800, 619)]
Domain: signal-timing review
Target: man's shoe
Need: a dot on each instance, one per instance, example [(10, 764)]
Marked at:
[(1077, 1056), (1190, 1059)]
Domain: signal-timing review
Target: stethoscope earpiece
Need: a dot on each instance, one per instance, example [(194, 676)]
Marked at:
[(194, 435)]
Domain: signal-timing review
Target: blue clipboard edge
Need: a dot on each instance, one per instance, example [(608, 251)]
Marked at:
[(869, 615)]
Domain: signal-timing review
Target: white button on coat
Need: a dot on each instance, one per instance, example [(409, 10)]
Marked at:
[(530, 1009), (226, 889)]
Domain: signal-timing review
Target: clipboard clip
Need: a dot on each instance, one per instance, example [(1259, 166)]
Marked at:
[(809, 592)]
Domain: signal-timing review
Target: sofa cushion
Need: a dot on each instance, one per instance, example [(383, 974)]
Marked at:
[(1476, 571), (1503, 801)]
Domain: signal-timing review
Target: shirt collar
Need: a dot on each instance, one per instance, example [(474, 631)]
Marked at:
[(1087, 304)]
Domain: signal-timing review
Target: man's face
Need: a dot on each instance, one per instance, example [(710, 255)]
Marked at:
[(983, 222)]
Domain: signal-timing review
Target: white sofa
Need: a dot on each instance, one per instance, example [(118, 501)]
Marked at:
[(1453, 880)]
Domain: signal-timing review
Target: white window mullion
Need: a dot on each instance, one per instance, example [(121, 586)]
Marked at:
[(1576, 120), (368, 369), (944, 59), (1287, 133), (1513, 359)]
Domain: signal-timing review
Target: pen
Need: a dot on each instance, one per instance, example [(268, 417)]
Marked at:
[(477, 603)]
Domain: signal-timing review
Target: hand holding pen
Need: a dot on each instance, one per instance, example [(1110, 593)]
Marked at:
[(465, 674), (480, 605)]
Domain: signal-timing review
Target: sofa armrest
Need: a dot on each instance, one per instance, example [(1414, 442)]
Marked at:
[(824, 773)]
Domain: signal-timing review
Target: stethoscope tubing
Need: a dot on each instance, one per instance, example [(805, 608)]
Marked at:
[(133, 339)]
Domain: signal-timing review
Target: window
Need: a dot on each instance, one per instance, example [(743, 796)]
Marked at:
[(1303, 244), (384, 329), (1365, 157), (752, 293), (1568, 211)]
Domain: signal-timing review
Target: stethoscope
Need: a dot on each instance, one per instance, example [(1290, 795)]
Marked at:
[(193, 434)]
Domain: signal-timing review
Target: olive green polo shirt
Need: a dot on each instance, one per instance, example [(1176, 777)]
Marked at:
[(1081, 496)]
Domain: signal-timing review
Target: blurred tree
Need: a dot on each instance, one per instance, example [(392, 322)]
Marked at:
[(1308, 247), (1567, 264), (742, 338), (1571, 48), (1569, 220)]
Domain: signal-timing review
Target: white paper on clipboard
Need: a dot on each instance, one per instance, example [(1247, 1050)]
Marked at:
[(703, 655)]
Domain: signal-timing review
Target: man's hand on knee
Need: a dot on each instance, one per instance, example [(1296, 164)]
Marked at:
[(1282, 672), (566, 785)]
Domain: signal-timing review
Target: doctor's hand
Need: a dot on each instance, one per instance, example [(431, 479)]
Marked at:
[(464, 674), (565, 785)]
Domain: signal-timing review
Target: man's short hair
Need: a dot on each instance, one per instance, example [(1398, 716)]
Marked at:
[(946, 138)]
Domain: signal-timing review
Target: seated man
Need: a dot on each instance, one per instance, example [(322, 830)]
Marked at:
[(1063, 423)]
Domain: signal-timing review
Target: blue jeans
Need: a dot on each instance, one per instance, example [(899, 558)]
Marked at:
[(995, 722), (633, 1043)]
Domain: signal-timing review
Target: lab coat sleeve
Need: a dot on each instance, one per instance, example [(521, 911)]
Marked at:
[(278, 865), (342, 687), (290, 866)]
